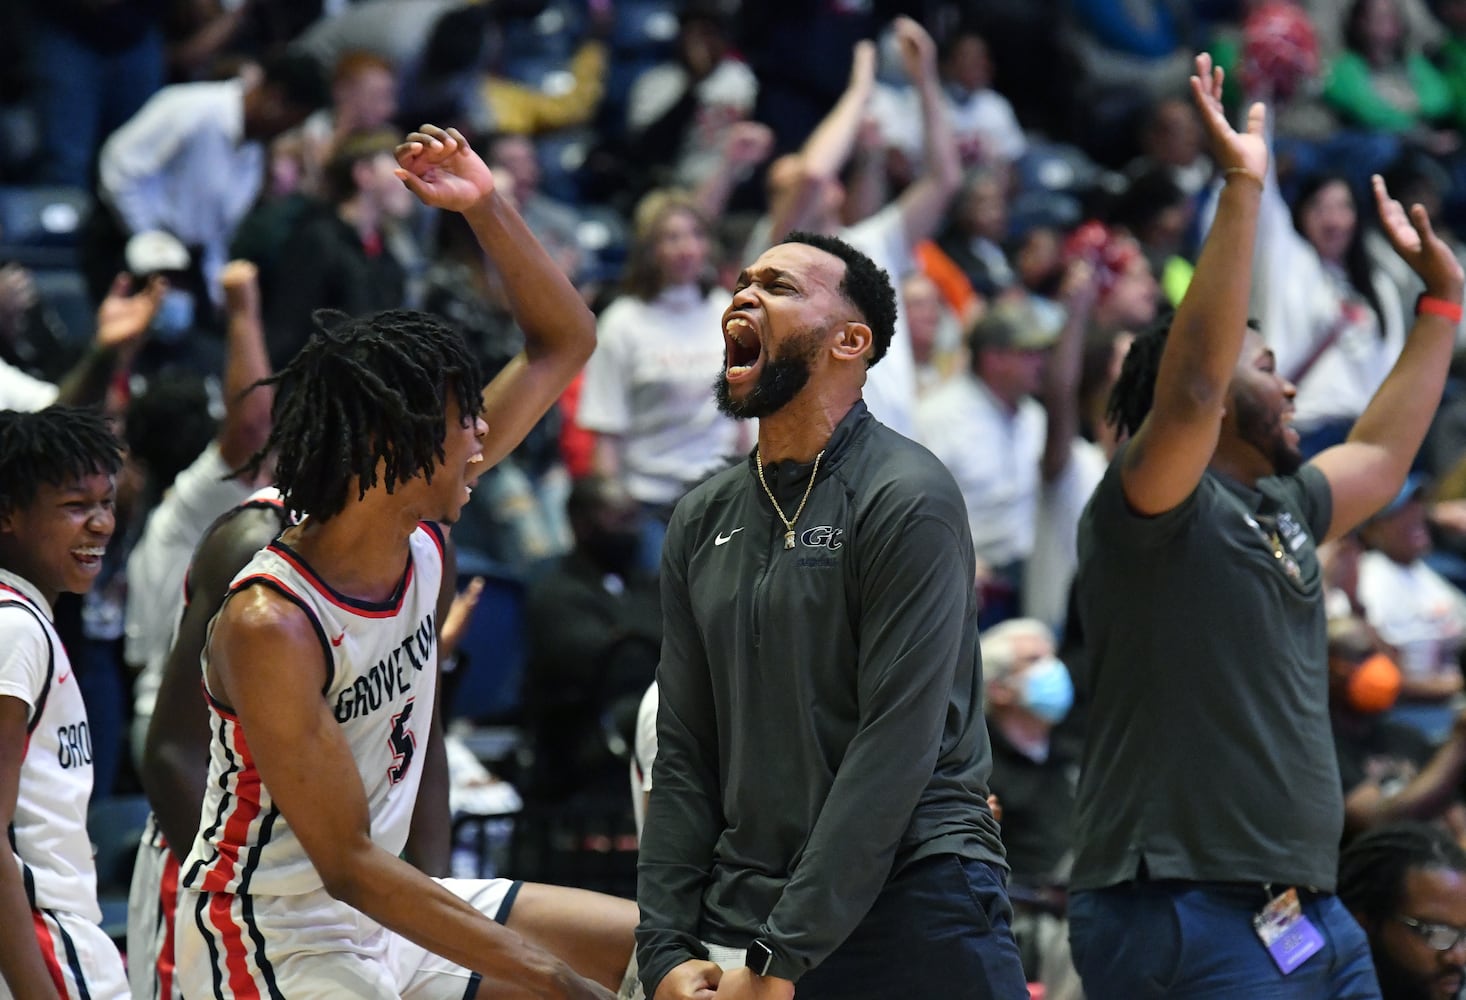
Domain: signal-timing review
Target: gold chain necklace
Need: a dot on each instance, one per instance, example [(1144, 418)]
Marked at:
[(758, 459)]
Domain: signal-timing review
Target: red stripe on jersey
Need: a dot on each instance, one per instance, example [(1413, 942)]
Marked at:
[(242, 816), (236, 963), (48, 952), (167, 904), (324, 589)]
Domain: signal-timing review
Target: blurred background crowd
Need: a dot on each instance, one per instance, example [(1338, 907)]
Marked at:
[(1030, 173)]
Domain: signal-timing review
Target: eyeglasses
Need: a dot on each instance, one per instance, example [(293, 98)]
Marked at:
[(1441, 937)]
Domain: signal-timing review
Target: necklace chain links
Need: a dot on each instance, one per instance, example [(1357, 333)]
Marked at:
[(788, 521)]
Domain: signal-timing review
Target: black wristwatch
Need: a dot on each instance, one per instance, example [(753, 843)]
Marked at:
[(760, 957)]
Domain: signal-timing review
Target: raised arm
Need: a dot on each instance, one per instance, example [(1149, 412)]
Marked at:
[(246, 424), (267, 663), (1369, 468), (559, 331), (828, 147), (924, 203), (1062, 373), (1171, 450), (122, 322)]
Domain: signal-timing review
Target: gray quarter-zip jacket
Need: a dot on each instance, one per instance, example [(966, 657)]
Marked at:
[(821, 717)]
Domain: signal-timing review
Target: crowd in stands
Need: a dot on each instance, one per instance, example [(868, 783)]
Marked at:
[(184, 183)]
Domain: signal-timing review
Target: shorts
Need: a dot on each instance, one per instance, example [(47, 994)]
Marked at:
[(313, 947), (151, 901), (81, 958)]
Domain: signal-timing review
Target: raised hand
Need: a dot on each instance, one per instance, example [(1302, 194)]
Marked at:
[(123, 318), (748, 143), (863, 66), (918, 51), (240, 280), (1230, 148), (1411, 235), (440, 167)]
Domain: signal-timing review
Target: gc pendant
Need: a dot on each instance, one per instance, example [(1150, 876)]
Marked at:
[(789, 539)]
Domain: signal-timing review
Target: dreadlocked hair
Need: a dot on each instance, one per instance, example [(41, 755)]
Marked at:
[(1373, 867), (56, 446), (1134, 391), (365, 391)]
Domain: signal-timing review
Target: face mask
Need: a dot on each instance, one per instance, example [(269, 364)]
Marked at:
[(1374, 685), (1048, 691), (174, 318)]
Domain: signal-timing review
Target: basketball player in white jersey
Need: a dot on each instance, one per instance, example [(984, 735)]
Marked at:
[(57, 486), (320, 673)]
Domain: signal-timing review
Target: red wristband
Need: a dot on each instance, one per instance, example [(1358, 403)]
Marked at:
[(1429, 305)]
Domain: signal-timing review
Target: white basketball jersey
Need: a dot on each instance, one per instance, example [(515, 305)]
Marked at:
[(383, 670), (49, 833)]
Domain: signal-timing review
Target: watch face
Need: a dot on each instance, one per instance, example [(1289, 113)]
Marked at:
[(760, 957)]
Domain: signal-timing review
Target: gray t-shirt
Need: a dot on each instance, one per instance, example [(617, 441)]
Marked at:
[(1209, 755)]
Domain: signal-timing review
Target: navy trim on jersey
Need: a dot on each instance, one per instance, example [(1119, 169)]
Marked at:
[(265, 580), (208, 936), (502, 917), (252, 862), (77, 973), (213, 828), (26, 875), (371, 609), (436, 530), (473, 984), (267, 970), (24, 605)]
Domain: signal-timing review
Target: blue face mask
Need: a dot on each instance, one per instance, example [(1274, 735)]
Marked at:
[(1048, 691), (174, 318)]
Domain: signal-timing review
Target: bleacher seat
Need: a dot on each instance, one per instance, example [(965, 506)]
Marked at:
[(553, 34), (494, 645), (561, 154), (645, 28), (40, 226)]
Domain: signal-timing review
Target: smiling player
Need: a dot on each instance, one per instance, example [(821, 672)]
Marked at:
[(57, 486)]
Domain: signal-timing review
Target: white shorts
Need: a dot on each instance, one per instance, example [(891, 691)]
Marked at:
[(313, 947), (151, 900), (81, 958)]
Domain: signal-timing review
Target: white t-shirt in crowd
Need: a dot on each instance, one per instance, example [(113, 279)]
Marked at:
[(890, 388), (650, 382), (983, 123), (22, 392), (994, 456), (1055, 556), (1415, 610)]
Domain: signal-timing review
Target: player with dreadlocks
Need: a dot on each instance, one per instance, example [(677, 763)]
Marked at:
[(58, 472), (320, 668), (1209, 790), (1406, 885)]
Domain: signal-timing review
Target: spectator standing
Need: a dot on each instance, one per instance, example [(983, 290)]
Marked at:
[(342, 258), (994, 404), (192, 161), (657, 348)]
